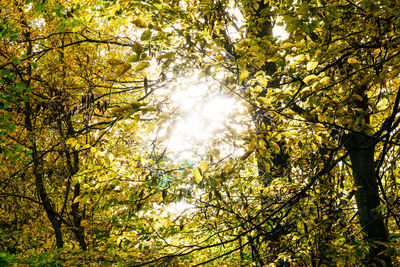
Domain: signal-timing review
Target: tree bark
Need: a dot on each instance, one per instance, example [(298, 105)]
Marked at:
[(361, 149), (280, 160)]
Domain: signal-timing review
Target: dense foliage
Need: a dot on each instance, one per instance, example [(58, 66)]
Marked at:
[(303, 170)]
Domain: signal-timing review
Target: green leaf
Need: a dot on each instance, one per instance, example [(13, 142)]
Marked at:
[(15, 60), (145, 35), (19, 148), (142, 65), (5, 72), (133, 58), (8, 153), (20, 86), (15, 158), (11, 126)]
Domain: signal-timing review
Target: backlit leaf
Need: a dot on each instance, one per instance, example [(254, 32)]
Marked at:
[(312, 65), (197, 175)]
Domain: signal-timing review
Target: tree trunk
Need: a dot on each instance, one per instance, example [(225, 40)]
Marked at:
[(78, 229), (361, 149), (58, 234), (280, 160)]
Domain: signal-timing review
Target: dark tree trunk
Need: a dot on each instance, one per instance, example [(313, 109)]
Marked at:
[(58, 234), (78, 229), (261, 117), (39, 184), (361, 149)]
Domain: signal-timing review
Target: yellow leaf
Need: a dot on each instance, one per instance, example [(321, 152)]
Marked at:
[(137, 104), (122, 69), (263, 81), (254, 48), (310, 78), (312, 65), (77, 199), (142, 66), (138, 22), (242, 43), (197, 175), (86, 146), (300, 58), (203, 166), (314, 147), (115, 62), (286, 45), (275, 147), (325, 80), (243, 75), (278, 137), (352, 60), (71, 141), (264, 100)]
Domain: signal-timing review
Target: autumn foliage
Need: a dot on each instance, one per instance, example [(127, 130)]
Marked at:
[(303, 171)]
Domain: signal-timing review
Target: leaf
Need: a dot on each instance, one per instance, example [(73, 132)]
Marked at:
[(20, 86), (8, 153), (203, 166), (122, 69), (310, 78), (138, 22), (145, 35), (5, 72), (352, 60), (71, 142), (115, 62), (325, 80), (142, 65), (15, 158), (197, 175), (286, 45), (243, 75), (133, 58), (19, 148), (300, 58), (314, 147), (137, 48), (312, 65), (275, 147), (77, 199)]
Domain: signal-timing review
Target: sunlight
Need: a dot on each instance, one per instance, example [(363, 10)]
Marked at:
[(203, 113)]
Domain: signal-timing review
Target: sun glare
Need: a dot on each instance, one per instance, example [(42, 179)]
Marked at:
[(202, 115)]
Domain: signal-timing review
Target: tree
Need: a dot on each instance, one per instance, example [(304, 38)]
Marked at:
[(322, 47), (81, 103), (58, 94)]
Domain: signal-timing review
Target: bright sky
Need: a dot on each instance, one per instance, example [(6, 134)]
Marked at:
[(203, 113)]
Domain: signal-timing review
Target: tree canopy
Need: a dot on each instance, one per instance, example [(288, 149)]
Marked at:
[(300, 169)]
